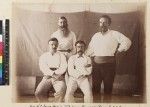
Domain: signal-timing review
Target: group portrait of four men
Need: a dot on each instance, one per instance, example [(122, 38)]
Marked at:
[(70, 63)]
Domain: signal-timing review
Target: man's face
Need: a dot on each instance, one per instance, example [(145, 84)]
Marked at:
[(62, 24), (104, 24), (80, 48), (53, 46)]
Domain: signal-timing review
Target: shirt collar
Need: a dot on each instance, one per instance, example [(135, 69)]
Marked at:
[(77, 56)]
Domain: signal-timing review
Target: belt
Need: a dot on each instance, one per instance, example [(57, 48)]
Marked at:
[(68, 50), (53, 69), (104, 59)]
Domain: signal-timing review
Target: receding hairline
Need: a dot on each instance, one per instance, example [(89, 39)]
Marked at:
[(106, 17), (63, 18), (80, 42), (53, 39)]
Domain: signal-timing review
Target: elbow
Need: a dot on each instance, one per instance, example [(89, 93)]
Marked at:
[(129, 43)]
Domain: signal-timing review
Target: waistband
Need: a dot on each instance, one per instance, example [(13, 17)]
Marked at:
[(53, 69), (104, 59), (49, 77), (67, 50)]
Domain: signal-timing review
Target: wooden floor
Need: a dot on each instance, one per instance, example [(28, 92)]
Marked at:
[(97, 99)]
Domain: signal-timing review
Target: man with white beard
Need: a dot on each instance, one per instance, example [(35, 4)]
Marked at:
[(66, 39)]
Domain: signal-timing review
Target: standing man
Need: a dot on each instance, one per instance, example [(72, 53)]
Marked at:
[(79, 69), (53, 65), (66, 38), (103, 47)]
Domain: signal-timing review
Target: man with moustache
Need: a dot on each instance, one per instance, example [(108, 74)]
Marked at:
[(53, 65), (102, 48), (79, 69), (66, 38)]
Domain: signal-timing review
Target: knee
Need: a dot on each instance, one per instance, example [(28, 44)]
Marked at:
[(62, 89)]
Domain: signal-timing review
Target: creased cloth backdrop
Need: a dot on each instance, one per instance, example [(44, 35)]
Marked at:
[(34, 29)]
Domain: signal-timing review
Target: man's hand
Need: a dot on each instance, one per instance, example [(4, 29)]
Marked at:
[(88, 65), (47, 77), (81, 76), (69, 50), (57, 77)]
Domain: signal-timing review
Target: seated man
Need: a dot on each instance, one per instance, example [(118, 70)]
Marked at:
[(53, 65), (79, 69)]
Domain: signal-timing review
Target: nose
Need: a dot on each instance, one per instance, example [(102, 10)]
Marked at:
[(62, 23), (102, 24), (54, 46), (80, 48)]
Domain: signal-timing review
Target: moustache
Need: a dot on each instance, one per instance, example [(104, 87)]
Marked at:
[(54, 48), (80, 51), (103, 27), (63, 26)]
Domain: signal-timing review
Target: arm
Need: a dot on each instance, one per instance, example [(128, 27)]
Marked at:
[(89, 51), (71, 70), (44, 67), (124, 42), (63, 65), (88, 67), (74, 41)]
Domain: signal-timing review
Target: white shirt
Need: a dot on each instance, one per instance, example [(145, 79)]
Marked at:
[(65, 43), (47, 61), (76, 66), (106, 44)]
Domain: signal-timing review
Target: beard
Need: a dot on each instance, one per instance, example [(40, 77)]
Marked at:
[(64, 30), (103, 29)]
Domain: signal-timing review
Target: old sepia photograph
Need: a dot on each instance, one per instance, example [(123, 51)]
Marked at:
[(79, 52)]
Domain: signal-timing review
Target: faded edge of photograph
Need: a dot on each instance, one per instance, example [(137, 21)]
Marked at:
[(33, 26)]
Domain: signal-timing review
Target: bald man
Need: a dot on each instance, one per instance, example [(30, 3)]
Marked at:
[(66, 39)]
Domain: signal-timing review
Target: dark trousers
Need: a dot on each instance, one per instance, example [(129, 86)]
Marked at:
[(103, 72)]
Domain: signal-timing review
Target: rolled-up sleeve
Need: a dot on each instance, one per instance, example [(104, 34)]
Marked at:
[(44, 67), (71, 70), (88, 70), (63, 65)]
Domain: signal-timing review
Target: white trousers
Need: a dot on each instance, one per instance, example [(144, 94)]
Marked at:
[(83, 84), (42, 90)]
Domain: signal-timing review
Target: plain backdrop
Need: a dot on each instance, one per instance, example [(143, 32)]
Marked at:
[(33, 29)]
